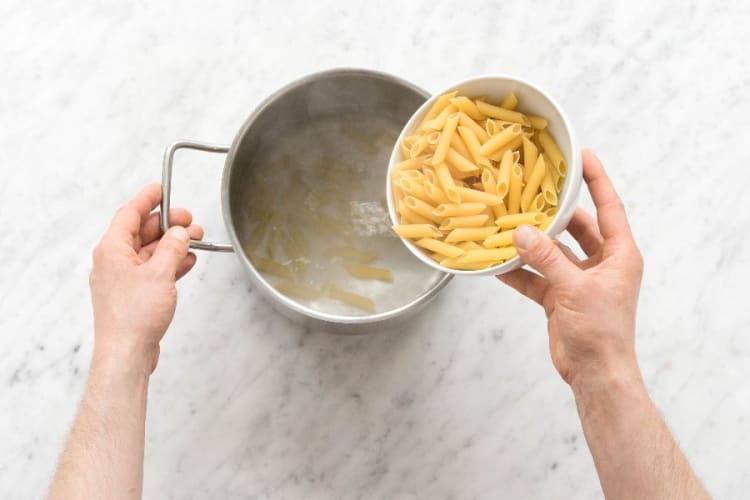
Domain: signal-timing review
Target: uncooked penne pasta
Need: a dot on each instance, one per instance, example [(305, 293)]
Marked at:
[(420, 207), (469, 245), (413, 188), (433, 138), (537, 204), (466, 121), (530, 154), (440, 104), (291, 289), (447, 183), (502, 113), (464, 221), (452, 210), (457, 143), (532, 186), (434, 193), (467, 106), (460, 162), (440, 247), (473, 145), (537, 122), (551, 212), (414, 218), (501, 139), (510, 102), (351, 298), (489, 184), (417, 231), (502, 239), (470, 233), (487, 254), (503, 177), (438, 122), (549, 190), (369, 273), (515, 220), (466, 266), (441, 149), (550, 147), (408, 164), (488, 199), (512, 145)]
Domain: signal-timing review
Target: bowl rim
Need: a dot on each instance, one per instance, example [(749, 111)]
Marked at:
[(571, 185), (255, 275)]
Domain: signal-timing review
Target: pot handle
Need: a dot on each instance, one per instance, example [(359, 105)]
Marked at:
[(166, 181)]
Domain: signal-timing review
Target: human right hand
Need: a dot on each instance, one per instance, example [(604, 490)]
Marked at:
[(590, 304)]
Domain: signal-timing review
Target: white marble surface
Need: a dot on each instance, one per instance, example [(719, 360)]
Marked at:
[(461, 403)]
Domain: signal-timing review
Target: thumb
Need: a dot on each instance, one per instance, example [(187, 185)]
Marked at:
[(538, 251), (170, 251)]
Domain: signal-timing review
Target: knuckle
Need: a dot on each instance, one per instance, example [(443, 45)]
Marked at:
[(546, 253)]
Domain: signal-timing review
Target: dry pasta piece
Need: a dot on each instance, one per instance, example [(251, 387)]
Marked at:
[(510, 102), (488, 199), (369, 273), (447, 183), (291, 289), (515, 220), (502, 113), (466, 121), (414, 218), (549, 189), (460, 162), (457, 143), (422, 208), (487, 254), (440, 104), (351, 298), (499, 140), (470, 233), (417, 231), (467, 106), (503, 176), (530, 154), (512, 145), (469, 245), (434, 193), (441, 149), (537, 204), (469, 208), (472, 144), (551, 211), (440, 247), (502, 239), (532, 186), (470, 266), (464, 221), (550, 147), (438, 122), (537, 122)]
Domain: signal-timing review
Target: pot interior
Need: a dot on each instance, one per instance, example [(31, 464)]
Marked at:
[(306, 187)]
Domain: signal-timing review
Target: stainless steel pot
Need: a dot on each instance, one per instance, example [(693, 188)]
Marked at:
[(348, 95)]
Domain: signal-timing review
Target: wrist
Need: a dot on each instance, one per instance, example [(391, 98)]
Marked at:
[(609, 386), (123, 360)]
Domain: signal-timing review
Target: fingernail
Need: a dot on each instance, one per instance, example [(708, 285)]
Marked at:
[(525, 236), (179, 233)]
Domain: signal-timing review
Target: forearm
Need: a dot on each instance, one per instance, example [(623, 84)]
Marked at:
[(635, 454), (104, 454)]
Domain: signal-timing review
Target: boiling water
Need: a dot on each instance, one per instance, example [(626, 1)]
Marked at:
[(321, 187)]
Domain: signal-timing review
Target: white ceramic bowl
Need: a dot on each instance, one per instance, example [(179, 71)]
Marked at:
[(532, 100)]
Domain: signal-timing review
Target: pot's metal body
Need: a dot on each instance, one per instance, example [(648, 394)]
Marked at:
[(340, 92)]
